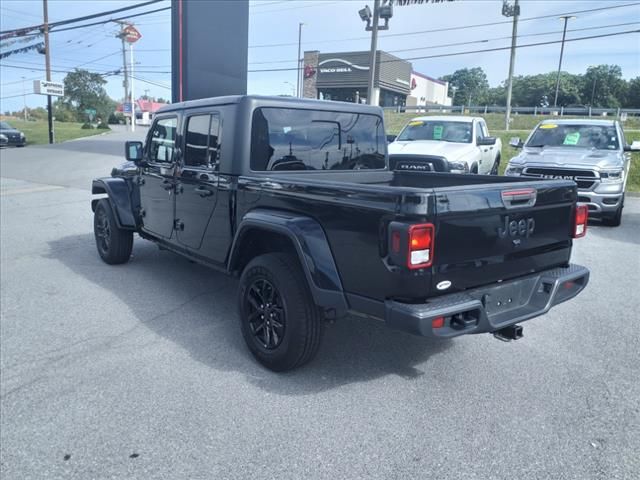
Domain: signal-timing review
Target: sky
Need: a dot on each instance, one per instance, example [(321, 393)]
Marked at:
[(329, 26)]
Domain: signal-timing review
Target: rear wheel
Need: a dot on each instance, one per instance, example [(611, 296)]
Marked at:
[(114, 244), (279, 320)]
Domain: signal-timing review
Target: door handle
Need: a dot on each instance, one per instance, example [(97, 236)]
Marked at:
[(203, 192), (167, 185)]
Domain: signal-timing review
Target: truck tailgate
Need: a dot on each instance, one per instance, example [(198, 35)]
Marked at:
[(487, 233)]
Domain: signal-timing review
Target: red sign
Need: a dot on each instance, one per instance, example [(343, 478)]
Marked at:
[(131, 34)]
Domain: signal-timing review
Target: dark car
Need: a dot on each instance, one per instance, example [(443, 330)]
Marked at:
[(295, 197), (13, 136)]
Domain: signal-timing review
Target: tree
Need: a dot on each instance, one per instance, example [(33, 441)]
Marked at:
[(605, 84), (632, 99), (470, 85), (529, 90), (85, 90)]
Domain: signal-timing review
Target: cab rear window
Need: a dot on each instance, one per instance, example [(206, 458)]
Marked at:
[(291, 139)]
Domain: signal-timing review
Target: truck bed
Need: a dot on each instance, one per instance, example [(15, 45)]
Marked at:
[(468, 211)]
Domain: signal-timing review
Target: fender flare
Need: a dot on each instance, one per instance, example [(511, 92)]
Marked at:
[(312, 248), (119, 197)]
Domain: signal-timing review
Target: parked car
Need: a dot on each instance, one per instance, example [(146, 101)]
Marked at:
[(593, 153), (14, 137), (4, 141), (463, 142), (294, 197)]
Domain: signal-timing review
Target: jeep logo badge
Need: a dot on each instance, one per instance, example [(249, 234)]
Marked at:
[(517, 228)]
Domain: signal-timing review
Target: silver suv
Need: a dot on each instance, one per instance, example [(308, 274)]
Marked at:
[(593, 153)]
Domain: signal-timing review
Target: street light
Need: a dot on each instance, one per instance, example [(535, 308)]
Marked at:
[(566, 18), (384, 11)]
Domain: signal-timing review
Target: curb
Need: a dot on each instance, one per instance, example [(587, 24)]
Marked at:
[(633, 194)]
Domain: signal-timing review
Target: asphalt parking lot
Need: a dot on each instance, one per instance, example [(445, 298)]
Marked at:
[(139, 371)]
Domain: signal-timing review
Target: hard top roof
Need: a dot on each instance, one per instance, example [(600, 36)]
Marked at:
[(273, 101)]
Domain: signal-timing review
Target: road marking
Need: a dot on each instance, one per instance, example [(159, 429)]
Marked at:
[(16, 191)]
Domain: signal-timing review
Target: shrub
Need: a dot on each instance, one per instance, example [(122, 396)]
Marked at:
[(103, 126), (87, 126)]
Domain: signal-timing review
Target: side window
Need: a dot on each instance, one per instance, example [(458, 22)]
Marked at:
[(214, 142), (196, 141), (483, 128), (202, 141), (163, 140)]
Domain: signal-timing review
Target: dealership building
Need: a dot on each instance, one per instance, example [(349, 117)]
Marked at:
[(344, 76)]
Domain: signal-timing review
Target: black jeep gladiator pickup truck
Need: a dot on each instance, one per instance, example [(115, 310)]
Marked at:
[(295, 197)]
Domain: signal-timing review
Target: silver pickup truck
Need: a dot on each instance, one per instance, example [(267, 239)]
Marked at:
[(593, 153)]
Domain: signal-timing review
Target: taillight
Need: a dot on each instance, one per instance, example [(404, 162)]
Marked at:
[(420, 245), (580, 223)]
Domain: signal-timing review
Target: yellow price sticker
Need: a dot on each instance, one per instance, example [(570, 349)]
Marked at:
[(548, 126), (415, 123)]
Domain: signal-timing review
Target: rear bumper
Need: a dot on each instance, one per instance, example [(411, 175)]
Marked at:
[(490, 308)]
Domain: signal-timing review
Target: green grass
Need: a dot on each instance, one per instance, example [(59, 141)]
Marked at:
[(37, 132), (525, 123)]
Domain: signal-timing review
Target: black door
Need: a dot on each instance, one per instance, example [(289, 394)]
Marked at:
[(157, 181), (197, 180)]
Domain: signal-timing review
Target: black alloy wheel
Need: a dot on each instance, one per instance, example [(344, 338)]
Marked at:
[(114, 244), (266, 313), (279, 320)]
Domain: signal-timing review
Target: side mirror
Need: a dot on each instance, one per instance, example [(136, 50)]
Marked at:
[(391, 138), (133, 152), (487, 141), (515, 142), (634, 147)]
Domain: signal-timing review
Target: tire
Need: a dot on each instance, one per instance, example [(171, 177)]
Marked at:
[(614, 220), (274, 285), (496, 166), (114, 244)]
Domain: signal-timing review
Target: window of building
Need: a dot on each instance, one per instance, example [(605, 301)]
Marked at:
[(290, 139)]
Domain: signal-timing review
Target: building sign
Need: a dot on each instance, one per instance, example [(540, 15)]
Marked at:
[(343, 66), (43, 87), (131, 34)]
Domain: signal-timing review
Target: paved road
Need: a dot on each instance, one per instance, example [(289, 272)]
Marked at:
[(139, 371)]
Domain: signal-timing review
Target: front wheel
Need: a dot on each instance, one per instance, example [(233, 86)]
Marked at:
[(280, 323), (496, 166), (114, 244)]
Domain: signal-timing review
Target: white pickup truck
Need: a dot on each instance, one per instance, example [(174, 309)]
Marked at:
[(463, 142)]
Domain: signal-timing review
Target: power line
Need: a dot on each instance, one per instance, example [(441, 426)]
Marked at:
[(80, 19), (472, 42), (454, 54), (446, 29)]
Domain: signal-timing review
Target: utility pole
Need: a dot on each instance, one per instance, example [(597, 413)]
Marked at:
[(511, 11), (133, 104), (593, 91), (45, 14), (566, 18), (24, 100), (299, 88), (384, 11), (125, 82), (371, 100)]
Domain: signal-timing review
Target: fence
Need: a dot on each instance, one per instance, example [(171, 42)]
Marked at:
[(554, 111)]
